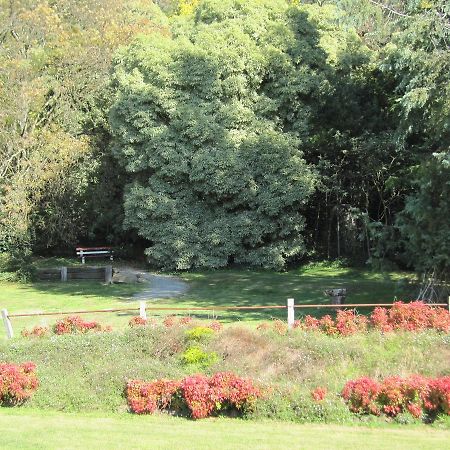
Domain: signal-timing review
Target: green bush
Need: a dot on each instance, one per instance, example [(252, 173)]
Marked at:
[(196, 356), (18, 265), (199, 334)]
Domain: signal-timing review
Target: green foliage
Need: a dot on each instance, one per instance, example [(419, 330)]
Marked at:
[(424, 223), (17, 265), (199, 334), (209, 124), (199, 358)]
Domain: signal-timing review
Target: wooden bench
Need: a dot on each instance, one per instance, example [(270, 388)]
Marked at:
[(94, 252)]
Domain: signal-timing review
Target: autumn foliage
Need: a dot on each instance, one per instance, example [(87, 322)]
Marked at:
[(17, 383), (200, 395), (75, 324), (416, 394)]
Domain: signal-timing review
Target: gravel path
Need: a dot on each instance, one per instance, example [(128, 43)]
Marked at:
[(161, 286)]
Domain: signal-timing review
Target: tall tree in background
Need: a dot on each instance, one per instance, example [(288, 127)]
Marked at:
[(210, 124), (54, 74)]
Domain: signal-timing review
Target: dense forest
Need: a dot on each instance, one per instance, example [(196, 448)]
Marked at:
[(218, 132)]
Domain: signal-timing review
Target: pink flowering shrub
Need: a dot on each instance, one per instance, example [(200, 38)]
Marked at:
[(416, 394), (202, 396), (17, 383)]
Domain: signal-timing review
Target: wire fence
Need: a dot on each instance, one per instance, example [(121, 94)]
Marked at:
[(143, 309)]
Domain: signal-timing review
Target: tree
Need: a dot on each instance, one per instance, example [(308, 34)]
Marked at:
[(210, 124)]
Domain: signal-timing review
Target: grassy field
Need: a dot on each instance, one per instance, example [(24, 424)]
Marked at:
[(37, 430), (221, 287)]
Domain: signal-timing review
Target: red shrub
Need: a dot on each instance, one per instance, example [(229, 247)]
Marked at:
[(414, 316), (75, 324), (148, 397), (349, 322), (185, 320), (319, 393), (137, 321), (395, 395), (199, 396), (202, 395), (215, 325), (37, 331), (169, 321), (280, 327), (17, 383), (361, 395)]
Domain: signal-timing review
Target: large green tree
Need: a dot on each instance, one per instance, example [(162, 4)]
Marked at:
[(210, 124)]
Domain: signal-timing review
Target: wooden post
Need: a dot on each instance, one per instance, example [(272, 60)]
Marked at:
[(291, 314), (108, 274), (142, 311), (7, 323), (63, 273)]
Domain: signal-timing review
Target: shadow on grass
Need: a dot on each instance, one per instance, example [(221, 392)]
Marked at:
[(250, 288), (86, 289)]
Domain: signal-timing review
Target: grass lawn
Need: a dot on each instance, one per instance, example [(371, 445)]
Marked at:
[(25, 429), (222, 287)]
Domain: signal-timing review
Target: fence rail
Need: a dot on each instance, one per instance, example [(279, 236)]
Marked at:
[(143, 309)]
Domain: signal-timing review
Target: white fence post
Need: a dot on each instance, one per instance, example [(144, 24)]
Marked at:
[(7, 323), (142, 311), (63, 273), (290, 311)]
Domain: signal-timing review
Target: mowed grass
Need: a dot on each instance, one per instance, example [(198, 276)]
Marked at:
[(228, 287), (44, 430), (305, 285)]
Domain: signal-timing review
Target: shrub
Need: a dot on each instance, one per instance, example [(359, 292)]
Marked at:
[(215, 325), (201, 396), (75, 324), (18, 265), (416, 395), (37, 331), (145, 397), (319, 393), (199, 333), (138, 321), (361, 395), (414, 316), (17, 383), (196, 356), (171, 321)]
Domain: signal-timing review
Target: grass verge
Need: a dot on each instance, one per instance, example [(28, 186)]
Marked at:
[(30, 429)]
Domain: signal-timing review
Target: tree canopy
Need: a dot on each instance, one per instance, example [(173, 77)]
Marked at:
[(216, 132)]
